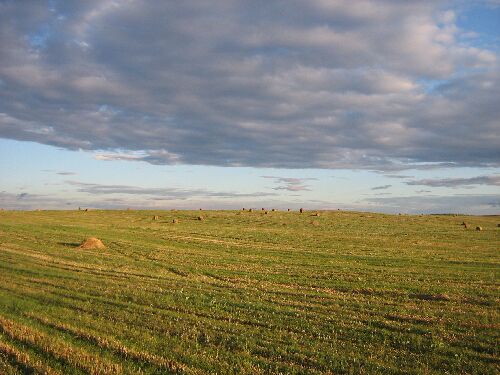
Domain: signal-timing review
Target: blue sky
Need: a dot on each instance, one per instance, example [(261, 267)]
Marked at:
[(371, 105)]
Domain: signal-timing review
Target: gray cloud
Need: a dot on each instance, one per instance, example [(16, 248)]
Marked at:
[(383, 187), (167, 193), (290, 183), (397, 176), (60, 173), (323, 84), (458, 182)]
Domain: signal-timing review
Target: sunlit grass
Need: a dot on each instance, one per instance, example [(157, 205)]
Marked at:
[(248, 292)]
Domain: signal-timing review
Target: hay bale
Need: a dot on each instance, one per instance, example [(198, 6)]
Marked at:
[(92, 243), (175, 221), (200, 218), (156, 217), (479, 228)]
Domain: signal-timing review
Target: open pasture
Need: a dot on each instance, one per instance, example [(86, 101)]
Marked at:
[(248, 292)]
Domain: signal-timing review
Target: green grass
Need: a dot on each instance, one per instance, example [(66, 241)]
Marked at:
[(243, 292)]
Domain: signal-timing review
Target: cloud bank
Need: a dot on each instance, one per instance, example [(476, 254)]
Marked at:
[(383, 85), (493, 180), (166, 193)]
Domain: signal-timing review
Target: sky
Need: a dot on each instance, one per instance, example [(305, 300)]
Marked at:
[(386, 106)]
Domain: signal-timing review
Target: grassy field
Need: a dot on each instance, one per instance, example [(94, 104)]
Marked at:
[(245, 292)]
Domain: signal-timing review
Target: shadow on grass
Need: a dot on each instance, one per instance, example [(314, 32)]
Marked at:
[(69, 244)]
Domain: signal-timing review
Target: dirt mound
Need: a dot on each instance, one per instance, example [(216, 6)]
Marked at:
[(92, 243)]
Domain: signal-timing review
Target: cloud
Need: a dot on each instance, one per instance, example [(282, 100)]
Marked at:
[(397, 176), (309, 84), (458, 203), (29, 201), (290, 183), (493, 180), (167, 193), (150, 156), (383, 187)]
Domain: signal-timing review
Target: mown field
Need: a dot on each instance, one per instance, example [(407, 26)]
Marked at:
[(245, 292)]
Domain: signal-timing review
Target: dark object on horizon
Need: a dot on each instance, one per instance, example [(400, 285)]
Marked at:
[(288, 210), (301, 210), (263, 209), (273, 210), (250, 210), (243, 209)]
